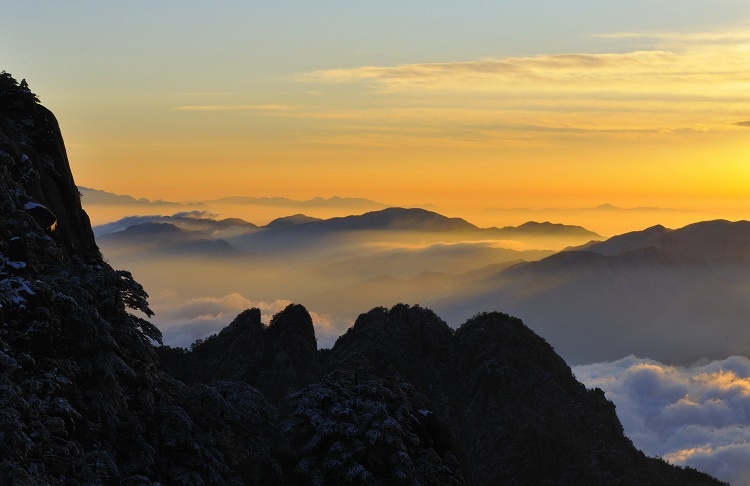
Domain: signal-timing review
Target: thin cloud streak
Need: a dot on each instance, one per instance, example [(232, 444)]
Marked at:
[(269, 108), (695, 37), (672, 91), (569, 72), (698, 88)]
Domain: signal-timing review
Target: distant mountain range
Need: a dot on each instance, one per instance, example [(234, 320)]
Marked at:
[(334, 201), (191, 221), (717, 241), (95, 196), (303, 231), (402, 223), (168, 239), (422, 220), (99, 197), (671, 295)]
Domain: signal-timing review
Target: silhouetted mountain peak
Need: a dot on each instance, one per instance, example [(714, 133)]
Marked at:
[(408, 340), (633, 240), (717, 241), (395, 219), (152, 230), (547, 228), (290, 221)]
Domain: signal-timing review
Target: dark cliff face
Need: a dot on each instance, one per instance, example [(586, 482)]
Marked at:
[(82, 399), (32, 152), (400, 399)]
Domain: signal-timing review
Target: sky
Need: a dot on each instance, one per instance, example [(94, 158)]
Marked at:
[(475, 108), (463, 105)]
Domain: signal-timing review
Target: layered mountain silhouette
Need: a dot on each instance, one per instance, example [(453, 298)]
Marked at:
[(671, 295), (168, 239), (107, 206), (104, 198), (300, 231), (422, 220), (333, 202), (190, 221), (717, 241), (400, 399)]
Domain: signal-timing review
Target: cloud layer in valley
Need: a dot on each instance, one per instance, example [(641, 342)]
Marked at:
[(183, 321), (693, 416)]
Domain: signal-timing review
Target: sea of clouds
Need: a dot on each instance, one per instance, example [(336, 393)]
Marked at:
[(697, 416), (693, 416)]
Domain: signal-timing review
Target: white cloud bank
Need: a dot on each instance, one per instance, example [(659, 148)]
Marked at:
[(697, 416), (183, 321)]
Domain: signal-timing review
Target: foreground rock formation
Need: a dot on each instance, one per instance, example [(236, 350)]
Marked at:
[(86, 398)]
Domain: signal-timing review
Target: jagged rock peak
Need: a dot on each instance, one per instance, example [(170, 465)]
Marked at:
[(499, 338), (247, 319), (408, 340), (296, 320), (277, 359)]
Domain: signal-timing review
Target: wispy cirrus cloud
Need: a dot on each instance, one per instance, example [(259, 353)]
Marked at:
[(593, 75), (207, 94), (679, 85), (230, 107), (673, 88), (682, 37), (486, 73)]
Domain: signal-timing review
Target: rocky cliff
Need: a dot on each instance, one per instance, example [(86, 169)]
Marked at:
[(492, 401), (86, 398)]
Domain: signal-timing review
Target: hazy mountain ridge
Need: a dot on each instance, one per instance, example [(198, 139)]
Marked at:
[(97, 196), (85, 401), (293, 220), (191, 221), (422, 220), (108, 207), (169, 240), (303, 259), (318, 201), (717, 241), (286, 230), (644, 287), (639, 292)]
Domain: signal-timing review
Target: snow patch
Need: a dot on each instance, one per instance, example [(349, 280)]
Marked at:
[(31, 205), (15, 290)]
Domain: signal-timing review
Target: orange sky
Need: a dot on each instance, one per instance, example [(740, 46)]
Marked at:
[(635, 108)]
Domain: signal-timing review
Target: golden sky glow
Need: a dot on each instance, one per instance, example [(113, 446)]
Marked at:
[(628, 111)]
